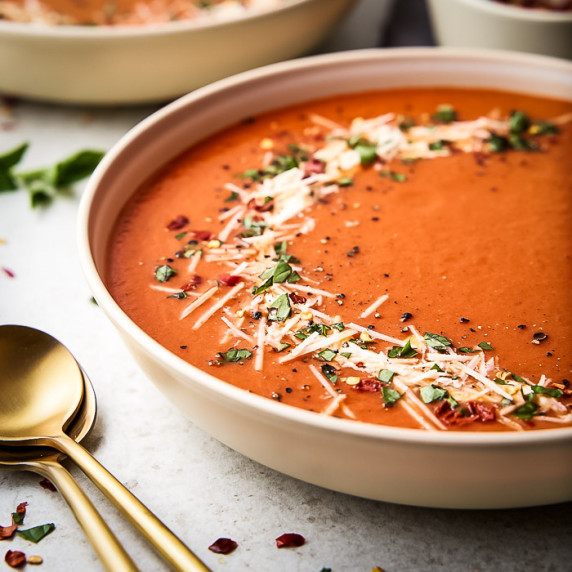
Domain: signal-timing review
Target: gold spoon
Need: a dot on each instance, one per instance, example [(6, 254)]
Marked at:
[(38, 398), (45, 462)]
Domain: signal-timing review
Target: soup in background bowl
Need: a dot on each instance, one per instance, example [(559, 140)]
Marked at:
[(323, 335)]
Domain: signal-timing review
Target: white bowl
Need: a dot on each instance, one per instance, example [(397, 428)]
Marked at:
[(444, 469), (118, 65), (490, 24)]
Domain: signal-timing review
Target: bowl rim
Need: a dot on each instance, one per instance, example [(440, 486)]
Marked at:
[(257, 403), (511, 12), (183, 26)]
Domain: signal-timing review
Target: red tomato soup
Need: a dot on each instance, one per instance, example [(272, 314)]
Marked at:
[(398, 257)]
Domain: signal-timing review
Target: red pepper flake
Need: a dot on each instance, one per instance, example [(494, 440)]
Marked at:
[(192, 283), (314, 166), (223, 546), (228, 279), (7, 531), (370, 385), (8, 272), (264, 207), (200, 234), (178, 223), (21, 508), (296, 298), (45, 484), (484, 411), (15, 558), (289, 540)]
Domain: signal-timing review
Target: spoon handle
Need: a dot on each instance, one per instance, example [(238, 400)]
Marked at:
[(167, 545), (111, 553)]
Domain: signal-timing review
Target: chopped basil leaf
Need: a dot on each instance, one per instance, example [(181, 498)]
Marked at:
[(347, 355), (526, 411), (390, 396), (444, 114), (18, 518), (253, 227), (279, 164), (189, 252), (436, 146), (235, 355), (322, 329), (338, 326), (485, 346), (517, 377), (544, 128), (385, 375), (180, 235), (394, 176), (518, 122), (406, 123), (7, 161), (500, 381), (283, 346), (294, 277), (234, 196), (519, 143), (281, 273), (367, 152), (330, 372), (431, 393), (36, 533), (497, 144), (300, 335), (436, 367), (465, 350), (164, 273), (327, 354), (345, 182), (505, 402), (553, 392), (437, 342), (280, 309), (402, 352)]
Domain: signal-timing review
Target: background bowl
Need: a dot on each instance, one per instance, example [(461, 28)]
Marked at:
[(490, 24), (96, 65), (399, 465)]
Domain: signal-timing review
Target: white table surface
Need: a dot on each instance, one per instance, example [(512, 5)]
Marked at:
[(201, 489)]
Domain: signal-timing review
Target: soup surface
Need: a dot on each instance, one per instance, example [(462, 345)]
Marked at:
[(124, 12), (399, 257)]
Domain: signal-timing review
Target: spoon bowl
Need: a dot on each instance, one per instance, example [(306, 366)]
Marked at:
[(41, 384)]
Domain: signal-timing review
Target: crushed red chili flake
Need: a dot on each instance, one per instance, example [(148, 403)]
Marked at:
[(296, 298), (15, 558), (314, 166), (48, 485), (21, 508), (7, 531), (289, 540), (451, 416), (201, 234), (192, 283), (228, 279), (371, 385), (483, 411), (8, 272), (178, 222), (223, 546)]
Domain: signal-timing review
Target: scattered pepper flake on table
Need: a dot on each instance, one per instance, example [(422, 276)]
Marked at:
[(290, 540), (223, 546), (15, 558)]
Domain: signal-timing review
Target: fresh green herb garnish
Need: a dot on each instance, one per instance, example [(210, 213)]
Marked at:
[(436, 367), (164, 273), (552, 392), (485, 346), (394, 176), (431, 393), (279, 164), (18, 518), (347, 355), (437, 342), (500, 381), (328, 354), (234, 196), (385, 375), (36, 533), (526, 411), (437, 145), (402, 352), (367, 150), (278, 274), (283, 346), (390, 396), (338, 326), (280, 309), (465, 350), (543, 128), (345, 182), (445, 114), (518, 122), (7, 162), (253, 227), (179, 295), (235, 355), (330, 372)]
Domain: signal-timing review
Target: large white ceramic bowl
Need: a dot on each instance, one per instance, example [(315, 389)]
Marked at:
[(490, 24), (443, 469), (154, 63)]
